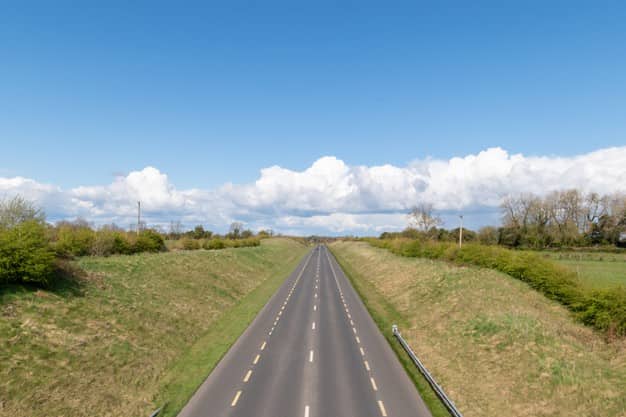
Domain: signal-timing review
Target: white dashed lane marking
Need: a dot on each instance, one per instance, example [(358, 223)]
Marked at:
[(247, 377), (234, 402)]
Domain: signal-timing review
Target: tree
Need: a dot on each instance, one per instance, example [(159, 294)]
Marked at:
[(200, 233), (176, 230), (235, 230), (567, 215), (423, 218), (18, 210), (488, 235)]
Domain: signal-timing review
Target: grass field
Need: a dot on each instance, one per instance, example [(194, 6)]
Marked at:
[(135, 332), (596, 269), (496, 346)]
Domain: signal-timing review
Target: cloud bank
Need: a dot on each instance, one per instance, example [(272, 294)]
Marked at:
[(330, 196)]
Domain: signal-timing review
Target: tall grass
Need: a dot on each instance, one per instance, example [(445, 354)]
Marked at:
[(603, 309)]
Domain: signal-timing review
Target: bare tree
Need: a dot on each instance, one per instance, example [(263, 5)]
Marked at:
[(176, 229), (422, 217), (18, 210), (563, 218), (235, 229), (516, 210), (594, 208)]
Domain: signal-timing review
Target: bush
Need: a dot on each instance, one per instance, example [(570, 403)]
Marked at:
[(110, 242), (73, 239), (190, 244), (25, 254), (148, 241), (604, 310), (217, 243), (214, 244)]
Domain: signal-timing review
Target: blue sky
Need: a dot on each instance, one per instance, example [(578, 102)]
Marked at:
[(211, 93)]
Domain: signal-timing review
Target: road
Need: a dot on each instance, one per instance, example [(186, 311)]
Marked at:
[(312, 351)]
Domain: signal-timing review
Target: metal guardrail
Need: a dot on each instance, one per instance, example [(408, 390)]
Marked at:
[(447, 402), (156, 413)]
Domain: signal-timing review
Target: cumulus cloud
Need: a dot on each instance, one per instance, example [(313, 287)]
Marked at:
[(333, 197)]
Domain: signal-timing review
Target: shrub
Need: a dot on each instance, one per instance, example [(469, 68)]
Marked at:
[(73, 239), (25, 254), (214, 244), (110, 242), (190, 244), (148, 241)]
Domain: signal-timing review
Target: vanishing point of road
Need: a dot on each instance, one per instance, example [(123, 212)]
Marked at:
[(312, 351)]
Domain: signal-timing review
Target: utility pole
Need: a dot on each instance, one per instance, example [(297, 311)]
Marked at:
[(461, 232), (138, 216)]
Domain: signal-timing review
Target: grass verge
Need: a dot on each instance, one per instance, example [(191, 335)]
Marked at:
[(495, 345), (605, 309), (134, 332)]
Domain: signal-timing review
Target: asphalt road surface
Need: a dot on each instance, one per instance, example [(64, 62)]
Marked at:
[(312, 351)]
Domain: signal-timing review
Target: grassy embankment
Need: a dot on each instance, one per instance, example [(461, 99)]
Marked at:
[(135, 332), (603, 309), (496, 346)]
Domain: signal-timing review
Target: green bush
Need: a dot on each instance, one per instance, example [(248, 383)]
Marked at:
[(110, 242), (190, 244), (217, 243), (604, 310), (214, 244), (25, 254), (242, 243), (148, 241), (73, 240)]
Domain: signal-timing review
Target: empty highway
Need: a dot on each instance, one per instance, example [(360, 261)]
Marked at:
[(312, 351)]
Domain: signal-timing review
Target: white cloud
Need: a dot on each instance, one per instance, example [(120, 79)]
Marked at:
[(331, 196)]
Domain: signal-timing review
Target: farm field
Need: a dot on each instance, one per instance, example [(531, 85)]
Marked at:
[(598, 270), (134, 332), (495, 345)]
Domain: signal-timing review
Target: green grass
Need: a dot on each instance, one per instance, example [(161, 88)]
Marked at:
[(134, 332), (598, 270), (497, 346)]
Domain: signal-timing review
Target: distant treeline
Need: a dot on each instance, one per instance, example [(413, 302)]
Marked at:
[(30, 248), (560, 219)]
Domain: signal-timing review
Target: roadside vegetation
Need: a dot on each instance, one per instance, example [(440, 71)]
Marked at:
[(123, 335), (495, 345), (603, 309), (33, 252), (560, 224)]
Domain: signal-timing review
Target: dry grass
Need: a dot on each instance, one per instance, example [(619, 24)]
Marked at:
[(104, 346), (497, 346)]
